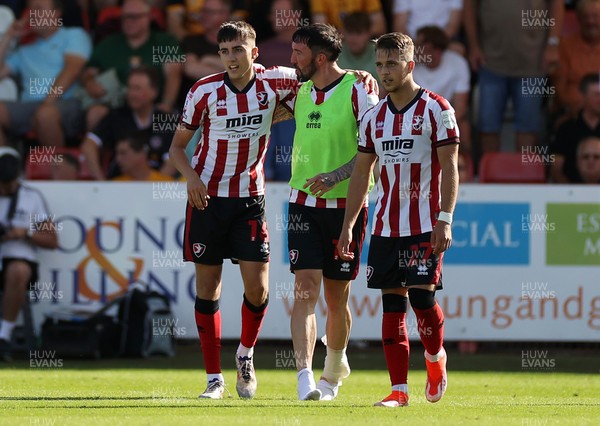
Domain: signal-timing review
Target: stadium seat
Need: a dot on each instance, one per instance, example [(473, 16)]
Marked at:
[(511, 167), (35, 170)]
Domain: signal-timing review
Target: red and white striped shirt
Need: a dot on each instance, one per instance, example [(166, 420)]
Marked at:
[(409, 186), (236, 128), (361, 102)]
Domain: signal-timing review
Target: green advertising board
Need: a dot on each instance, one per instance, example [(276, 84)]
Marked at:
[(575, 239)]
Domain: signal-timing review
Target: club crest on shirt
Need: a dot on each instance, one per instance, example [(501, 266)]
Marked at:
[(294, 256), (262, 98), (199, 249), (448, 119), (417, 122)]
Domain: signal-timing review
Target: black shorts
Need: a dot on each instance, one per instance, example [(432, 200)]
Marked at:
[(34, 271), (403, 262), (313, 236), (228, 228)]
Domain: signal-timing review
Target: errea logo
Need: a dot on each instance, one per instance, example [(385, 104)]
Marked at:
[(314, 118)]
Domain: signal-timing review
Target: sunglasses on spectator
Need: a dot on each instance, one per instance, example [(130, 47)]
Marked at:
[(132, 16)]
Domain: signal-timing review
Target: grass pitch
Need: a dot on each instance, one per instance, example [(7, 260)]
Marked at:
[(164, 392)]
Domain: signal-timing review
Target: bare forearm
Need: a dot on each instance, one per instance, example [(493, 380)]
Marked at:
[(343, 172), (470, 22), (358, 189), (449, 187), (44, 239), (92, 157)]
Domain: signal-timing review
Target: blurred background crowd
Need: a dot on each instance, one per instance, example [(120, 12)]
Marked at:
[(93, 89)]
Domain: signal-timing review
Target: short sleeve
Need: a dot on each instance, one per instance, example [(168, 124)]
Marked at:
[(78, 43), (446, 127), (365, 134), (196, 104)]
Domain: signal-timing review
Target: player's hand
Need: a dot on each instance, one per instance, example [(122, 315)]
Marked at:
[(441, 237), (197, 195), (476, 58), (15, 234), (343, 246), (320, 184), (368, 80)]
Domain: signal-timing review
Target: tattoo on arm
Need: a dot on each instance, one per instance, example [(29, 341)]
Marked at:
[(341, 173)]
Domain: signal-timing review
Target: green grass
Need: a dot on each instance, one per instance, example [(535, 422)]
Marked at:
[(162, 391)]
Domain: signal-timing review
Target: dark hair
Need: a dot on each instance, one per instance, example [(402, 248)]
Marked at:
[(148, 71), (434, 35), (588, 80), (138, 141), (10, 168), (320, 38), (397, 41), (357, 22), (235, 30)]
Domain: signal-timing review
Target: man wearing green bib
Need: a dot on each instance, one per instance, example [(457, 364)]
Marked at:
[(327, 109)]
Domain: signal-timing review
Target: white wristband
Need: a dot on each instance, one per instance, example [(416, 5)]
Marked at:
[(446, 217)]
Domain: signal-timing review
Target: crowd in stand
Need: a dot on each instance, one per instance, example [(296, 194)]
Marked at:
[(103, 82)]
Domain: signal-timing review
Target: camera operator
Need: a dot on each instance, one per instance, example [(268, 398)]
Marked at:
[(25, 224)]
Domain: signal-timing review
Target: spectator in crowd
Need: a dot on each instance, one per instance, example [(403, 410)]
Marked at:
[(201, 50), (284, 17), (137, 45), (333, 12), (446, 73), (68, 169), (186, 17), (579, 55), (46, 102), (571, 132), (132, 158), (358, 52), (27, 225), (588, 160), (511, 54), (410, 15), (140, 113)]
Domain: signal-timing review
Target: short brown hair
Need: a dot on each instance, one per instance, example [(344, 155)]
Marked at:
[(235, 30), (397, 41), (148, 71), (357, 22), (434, 35)]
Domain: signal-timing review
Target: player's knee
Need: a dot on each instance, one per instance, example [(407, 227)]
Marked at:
[(257, 297), (394, 303), (421, 299), (18, 273), (258, 304), (306, 290), (206, 307)]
